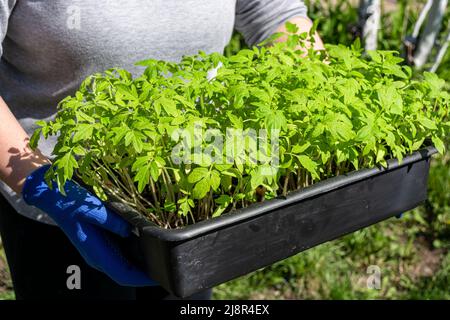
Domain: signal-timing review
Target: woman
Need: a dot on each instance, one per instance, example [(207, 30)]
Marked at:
[(47, 49)]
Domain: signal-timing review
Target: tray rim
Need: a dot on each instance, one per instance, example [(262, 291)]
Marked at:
[(204, 227)]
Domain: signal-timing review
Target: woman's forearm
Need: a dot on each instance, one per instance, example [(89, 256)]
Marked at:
[(304, 25), (17, 160)]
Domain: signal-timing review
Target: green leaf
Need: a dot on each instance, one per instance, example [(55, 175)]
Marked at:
[(427, 123), (83, 132), (132, 138), (396, 70), (291, 27), (435, 83), (308, 164), (185, 205), (35, 139), (79, 151), (235, 121), (439, 144), (224, 200), (201, 189), (297, 149), (218, 212), (375, 56), (256, 179), (142, 177), (215, 180), (380, 155), (155, 171), (390, 99), (67, 164), (99, 192), (168, 105), (276, 120), (238, 59), (126, 93), (198, 174)]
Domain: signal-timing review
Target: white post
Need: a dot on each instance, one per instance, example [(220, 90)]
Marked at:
[(441, 52), (430, 32), (422, 16), (370, 14)]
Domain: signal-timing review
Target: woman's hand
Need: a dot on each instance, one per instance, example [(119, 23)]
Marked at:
[(17, 160), (304, 24), (88, 224)]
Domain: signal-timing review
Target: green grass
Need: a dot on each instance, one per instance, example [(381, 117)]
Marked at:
[(434, 287), (8, 295), (5, 282)]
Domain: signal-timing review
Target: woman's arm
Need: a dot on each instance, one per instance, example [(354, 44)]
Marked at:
[(17, 160), (81, 215), (304, 25)]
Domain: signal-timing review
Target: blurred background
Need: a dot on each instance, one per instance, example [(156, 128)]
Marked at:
[(409, 256)]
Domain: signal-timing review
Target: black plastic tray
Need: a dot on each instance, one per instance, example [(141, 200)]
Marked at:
[(189, 260)]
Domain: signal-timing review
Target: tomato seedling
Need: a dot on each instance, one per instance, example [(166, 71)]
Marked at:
[(179, 148)]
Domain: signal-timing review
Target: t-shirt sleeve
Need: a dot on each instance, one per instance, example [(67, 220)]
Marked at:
[(6, 7), (258, 19)]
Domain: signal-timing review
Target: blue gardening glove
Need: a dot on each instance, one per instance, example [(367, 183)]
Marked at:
[(88, 224)]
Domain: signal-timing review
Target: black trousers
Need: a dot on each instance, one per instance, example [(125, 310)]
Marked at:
[(39, 256)]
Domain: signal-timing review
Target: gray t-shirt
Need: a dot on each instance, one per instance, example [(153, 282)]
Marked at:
[(47, 47)]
